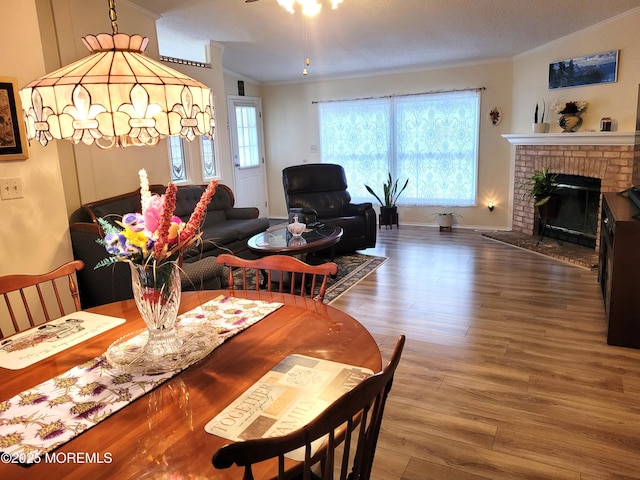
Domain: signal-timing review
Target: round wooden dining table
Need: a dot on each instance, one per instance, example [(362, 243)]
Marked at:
[(161, 435)]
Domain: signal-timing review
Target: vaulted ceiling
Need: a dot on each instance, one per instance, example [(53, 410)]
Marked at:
[(264, 43)]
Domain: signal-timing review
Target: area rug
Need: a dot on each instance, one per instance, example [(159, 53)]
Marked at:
[(567, 252), (352, 268)]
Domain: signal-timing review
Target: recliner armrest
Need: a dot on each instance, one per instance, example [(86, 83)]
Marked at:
[(357, 208)]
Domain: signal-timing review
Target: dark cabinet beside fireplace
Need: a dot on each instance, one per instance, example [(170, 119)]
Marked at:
[(619, 269)]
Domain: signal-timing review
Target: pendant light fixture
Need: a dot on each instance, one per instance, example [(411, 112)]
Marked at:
[(116, 96), (309, 7)]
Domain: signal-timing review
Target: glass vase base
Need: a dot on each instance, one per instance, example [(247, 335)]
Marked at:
[(161, 343), (131, 353)]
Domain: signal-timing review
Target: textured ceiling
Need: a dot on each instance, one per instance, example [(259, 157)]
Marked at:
[(264, 43)]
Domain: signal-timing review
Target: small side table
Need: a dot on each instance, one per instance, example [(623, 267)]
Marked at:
[(393, 219)]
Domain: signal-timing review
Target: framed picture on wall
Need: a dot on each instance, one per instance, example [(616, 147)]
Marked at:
[(13, 140), (587, 70)]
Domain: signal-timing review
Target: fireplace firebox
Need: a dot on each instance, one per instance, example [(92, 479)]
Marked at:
[(576, 218)]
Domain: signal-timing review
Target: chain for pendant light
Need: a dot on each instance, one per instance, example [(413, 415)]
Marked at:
[(113, 16), (307, 61)]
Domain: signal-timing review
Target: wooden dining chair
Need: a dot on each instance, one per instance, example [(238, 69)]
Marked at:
[(22, 289), (313, 277), (351, 422)]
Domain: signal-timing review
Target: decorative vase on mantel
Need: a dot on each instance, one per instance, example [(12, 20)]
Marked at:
[(570, 122), (156, 290)]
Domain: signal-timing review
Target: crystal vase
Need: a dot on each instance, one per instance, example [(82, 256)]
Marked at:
[(156, 290)]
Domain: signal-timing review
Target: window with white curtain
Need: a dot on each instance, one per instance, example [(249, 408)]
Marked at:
[(432, 139)]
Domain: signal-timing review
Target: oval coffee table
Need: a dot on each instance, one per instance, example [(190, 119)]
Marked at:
[(278, 241)]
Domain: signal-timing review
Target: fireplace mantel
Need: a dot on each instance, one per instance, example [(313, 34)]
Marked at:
[(577, 138)]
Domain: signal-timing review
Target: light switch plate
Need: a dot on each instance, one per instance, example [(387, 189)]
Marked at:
[(10, 188)]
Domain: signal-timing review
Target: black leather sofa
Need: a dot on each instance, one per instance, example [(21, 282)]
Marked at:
[(225, 229), (319, 192)]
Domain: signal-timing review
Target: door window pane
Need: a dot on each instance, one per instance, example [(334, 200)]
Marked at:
[(247, 136)]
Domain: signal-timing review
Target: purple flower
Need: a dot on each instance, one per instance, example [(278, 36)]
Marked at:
[(133, 221), (86, 409), (117, 244)]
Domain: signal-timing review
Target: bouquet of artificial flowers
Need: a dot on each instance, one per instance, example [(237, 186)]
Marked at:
[(568, 108), (154, 235)]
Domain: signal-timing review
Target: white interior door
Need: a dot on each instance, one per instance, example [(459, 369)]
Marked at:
[(245, 130)]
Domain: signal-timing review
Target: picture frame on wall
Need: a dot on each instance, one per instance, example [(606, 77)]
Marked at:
[(587, 70), (13, 139)]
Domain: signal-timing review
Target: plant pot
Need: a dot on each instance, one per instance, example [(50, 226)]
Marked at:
[(445, 221), (540, 127), (387, 215), (549, 210)]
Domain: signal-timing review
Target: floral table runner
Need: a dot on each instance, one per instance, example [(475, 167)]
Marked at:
[(48, 415), (26, 348)]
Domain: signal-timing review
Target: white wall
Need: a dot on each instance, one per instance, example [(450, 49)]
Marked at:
[(291, 124), (34, 236), (616, 100), (291, 127)]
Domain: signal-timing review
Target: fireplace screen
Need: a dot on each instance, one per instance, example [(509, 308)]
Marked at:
[(576, 217)]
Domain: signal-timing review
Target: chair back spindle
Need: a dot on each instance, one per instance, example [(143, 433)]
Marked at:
[(293, 273), (353, 421), (43, 286)]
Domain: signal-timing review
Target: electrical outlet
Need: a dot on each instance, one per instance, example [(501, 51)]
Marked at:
[(10, 188)]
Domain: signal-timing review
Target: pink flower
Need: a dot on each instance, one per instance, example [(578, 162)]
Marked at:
[(153, 213)]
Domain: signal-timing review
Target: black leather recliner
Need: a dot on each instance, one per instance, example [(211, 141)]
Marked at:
[(319, 192)]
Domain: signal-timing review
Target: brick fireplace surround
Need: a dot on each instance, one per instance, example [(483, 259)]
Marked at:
[(609, 156)]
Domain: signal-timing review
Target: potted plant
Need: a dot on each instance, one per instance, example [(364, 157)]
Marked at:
[(541, 187), (444, 219), (540, 126), (391, 193)]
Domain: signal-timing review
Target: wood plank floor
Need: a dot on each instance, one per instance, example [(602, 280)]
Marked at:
[(506, 373)]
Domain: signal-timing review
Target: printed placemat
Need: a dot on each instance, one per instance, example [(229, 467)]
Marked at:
[(48, 415), (28, 347), (286, 398)]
